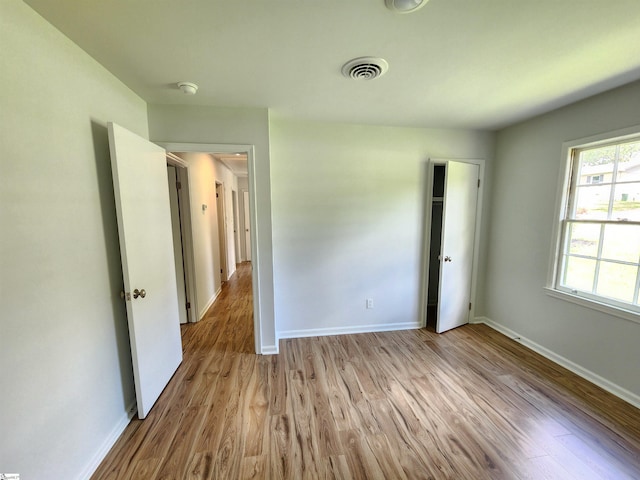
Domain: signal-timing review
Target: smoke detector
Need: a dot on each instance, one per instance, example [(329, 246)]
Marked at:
[(188, 88), (365, 68), (405, 6)]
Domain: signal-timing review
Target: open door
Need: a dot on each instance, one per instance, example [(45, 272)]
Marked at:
[(146, 247), (458, 238)]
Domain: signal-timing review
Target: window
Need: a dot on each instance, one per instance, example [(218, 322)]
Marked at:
[(595, 178), (598, 254)]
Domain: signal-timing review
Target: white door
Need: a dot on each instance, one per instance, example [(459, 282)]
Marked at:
[(247, 225), (144, 225), (458, 238)]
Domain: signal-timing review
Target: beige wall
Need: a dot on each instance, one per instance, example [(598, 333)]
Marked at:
[(204, 171), (66, 374), (230, 183)]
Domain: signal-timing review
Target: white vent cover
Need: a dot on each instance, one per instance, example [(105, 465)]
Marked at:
[(365, 68)]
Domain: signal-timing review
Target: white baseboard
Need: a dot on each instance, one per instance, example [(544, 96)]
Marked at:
[(322, 332), (108, 443), (269, 350), (204, 311), (594, 378)]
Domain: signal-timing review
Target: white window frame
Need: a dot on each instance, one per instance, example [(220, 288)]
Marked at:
[(561, 211)]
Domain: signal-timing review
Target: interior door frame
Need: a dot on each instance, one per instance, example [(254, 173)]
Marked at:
[(222, 231), (235, 226), (184, 177), (249, 150), (248, 240), (427, 199)]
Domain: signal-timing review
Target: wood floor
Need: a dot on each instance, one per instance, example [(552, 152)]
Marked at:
[(468, 404)]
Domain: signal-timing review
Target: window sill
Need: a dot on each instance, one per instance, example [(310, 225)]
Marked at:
[(593, 305)]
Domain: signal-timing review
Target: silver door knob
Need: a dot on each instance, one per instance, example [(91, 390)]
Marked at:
[(446, 259), (139, 293)]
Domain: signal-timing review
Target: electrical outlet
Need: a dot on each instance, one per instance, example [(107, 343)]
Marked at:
[(369, 302)]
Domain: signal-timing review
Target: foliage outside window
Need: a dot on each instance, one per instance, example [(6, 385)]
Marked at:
[(599, 254)]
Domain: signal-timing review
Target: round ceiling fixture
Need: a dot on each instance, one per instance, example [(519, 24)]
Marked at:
[(188, 88), (405, 6), (365, 68)]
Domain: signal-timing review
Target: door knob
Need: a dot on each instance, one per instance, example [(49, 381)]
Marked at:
[(446, 259), (139, 293)]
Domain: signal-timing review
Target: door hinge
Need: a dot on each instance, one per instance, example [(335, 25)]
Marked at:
[(216, 195), (478, 183), (469, 305), (220, 271), (178, 185), (188, 305)]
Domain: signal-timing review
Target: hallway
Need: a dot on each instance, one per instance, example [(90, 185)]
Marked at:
[(202, 399)]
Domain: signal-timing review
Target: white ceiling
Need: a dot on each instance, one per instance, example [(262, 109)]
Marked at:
[(455, 63)]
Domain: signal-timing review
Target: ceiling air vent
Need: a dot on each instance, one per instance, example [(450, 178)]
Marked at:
[(365, 68)]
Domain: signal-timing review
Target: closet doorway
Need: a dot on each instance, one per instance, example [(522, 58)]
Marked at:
[(454, 212)]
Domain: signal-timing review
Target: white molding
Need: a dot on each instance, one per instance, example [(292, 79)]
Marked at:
[(269, 350), (203, 312), (594, 378), (594, 305), (322, 332), (108, 443), (176, 161)]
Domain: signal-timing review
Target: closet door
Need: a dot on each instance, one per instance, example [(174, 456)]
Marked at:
[(458, 238)]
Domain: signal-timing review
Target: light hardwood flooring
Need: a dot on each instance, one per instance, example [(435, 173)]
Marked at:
[(467, 404)]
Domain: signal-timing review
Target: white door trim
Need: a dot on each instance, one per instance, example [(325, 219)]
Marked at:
[(222, 232), (249, 150), (246, 228), (184, 177), (428, 198), (235, 226)]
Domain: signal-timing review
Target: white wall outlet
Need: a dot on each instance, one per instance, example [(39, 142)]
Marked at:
[(369, 302)]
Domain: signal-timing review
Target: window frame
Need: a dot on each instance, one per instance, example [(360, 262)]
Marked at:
[(562, 211)]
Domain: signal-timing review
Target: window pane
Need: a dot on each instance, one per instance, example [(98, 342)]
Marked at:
[(584, 238), (626, 204), (629, 162), (617, 281), (596, 165), (592, 202), (579, 273), (621, 242)]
